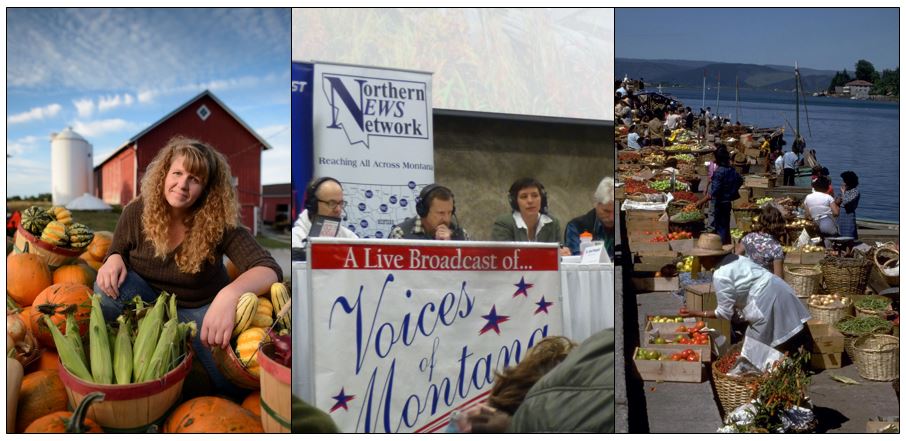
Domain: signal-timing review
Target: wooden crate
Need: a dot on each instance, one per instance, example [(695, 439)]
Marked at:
[(797, 257), (826, 361), (649, 284), (759, 181), (652, 262), (670, 327), (825, 338), (682, 246), (639, 245), (702, 298), (643, 215), (668, 370), (705, 350)]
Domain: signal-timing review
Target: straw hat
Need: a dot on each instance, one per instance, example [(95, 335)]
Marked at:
[(709, 244)]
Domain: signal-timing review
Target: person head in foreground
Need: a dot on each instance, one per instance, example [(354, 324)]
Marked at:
[(435, 209), (576, 395), (323, 197)]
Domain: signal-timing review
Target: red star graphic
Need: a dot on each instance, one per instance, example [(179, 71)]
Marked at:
[(523, 287), (494, 321), (543, 305), (342, 399)]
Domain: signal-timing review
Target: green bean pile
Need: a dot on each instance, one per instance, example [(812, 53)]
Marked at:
[(866, 324), (873, 303)]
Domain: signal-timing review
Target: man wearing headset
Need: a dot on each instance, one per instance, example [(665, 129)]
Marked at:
[(324, 197), (599, 221), (436, 211)]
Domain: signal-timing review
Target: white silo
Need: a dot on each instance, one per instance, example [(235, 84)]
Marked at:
[(71, 163)]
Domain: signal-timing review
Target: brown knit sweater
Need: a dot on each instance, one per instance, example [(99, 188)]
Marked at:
[(192, 290)]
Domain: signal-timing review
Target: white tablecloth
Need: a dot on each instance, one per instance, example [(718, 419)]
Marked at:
[(587, 296), (586, 291)]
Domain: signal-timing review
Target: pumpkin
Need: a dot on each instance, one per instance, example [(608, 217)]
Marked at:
[(82, 275), (54, 302), (80, 236), (252, 403), (212, 415), (90, 261), (42, 393), (49, 360), (25, 315), (68, 422), (26, 276), (97, 249), (35, 218)]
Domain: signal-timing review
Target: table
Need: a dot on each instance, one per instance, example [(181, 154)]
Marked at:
[(586, 292)]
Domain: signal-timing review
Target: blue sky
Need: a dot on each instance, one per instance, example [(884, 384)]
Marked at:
[(110, 73), (826, 38)]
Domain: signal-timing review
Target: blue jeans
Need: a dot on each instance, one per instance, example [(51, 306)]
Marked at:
[(133, 286), (721, 222)]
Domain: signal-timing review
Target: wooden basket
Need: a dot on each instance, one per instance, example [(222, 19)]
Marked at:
[(130, 408), (275, 392), (54, 256), (232, 368), (850, 339), (878, 357), (829, 314), (804, 280), (845, 275), (732, 392), (887, 257)]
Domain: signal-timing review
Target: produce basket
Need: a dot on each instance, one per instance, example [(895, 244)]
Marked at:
[(804, 280), (677, 206), (687, 217), (845, 275), (54, 256), (878, 357), (887, 258), (732, 392), (882, 312), (830, 313), (233, 369), (849, 337)]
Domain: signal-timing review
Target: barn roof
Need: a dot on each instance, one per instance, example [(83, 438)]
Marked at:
[(206, 92)]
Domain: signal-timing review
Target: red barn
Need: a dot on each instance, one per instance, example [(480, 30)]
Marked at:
[(207, 119), (275, 203)]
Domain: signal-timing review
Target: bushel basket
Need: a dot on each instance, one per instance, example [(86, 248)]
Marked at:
[(849, 338), (887, 258), (804, 280), (878, 357), (732, 392), (845, 275)]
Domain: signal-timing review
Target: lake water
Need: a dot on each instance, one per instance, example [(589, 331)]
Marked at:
[(857, 135)]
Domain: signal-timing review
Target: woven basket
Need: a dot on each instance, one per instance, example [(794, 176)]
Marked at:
[(887, 257), (677, 206), (732, 392), (850, 339), (829, 314), (845, 275), (804, 280), (877, 313), (878, 357)]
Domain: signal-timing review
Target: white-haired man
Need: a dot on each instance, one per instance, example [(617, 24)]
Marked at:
[(599, 221)]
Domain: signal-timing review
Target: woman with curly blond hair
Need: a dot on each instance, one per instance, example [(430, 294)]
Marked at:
[(173, 238)]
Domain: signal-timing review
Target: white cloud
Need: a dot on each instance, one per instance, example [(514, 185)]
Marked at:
[(35, 113), (26, 177), (146, 96), (101, 127), (24, 145), (106, 103), (84, 106)]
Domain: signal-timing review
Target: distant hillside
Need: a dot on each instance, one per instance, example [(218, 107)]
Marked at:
[(751, 76)]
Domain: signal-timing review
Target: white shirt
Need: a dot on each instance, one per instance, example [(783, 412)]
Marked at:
[(790, 159), (818, 205), (673, 120), (520, 223), (778, 165), (632, 141), (303, 225)]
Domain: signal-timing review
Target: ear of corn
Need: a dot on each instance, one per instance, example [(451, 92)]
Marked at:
[(122, 352), (146, 340), (74, 337), (263, 314), (160, 359), (68, 355), (245, 312), (99, 344), (172, 311), (279, 297)]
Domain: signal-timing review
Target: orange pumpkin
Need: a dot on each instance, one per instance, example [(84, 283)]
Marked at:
[(90, 260), (42, 393), (82, 275), (212, 415), (68, 422), (99, 245), (54, 301), (26, 276), (25, 315), (49, 360), (252, 403)]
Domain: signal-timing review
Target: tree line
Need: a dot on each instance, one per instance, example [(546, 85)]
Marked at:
[(886, 82)]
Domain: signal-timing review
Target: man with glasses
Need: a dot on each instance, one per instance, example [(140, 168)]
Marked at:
[(599, 221), (323, 197)]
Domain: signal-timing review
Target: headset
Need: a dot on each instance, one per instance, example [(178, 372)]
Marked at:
[(528, 182), (311, 201), (422, 202)]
